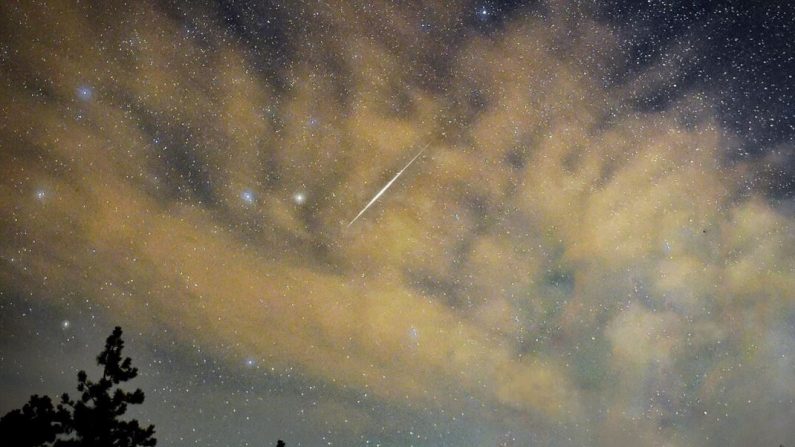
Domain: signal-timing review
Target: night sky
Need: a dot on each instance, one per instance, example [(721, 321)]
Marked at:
[(596, 246)]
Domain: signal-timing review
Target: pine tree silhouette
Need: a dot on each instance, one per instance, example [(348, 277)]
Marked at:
[(90, 421), (37, 423)]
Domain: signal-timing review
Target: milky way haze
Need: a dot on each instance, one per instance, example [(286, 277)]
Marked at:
[(590, 251)]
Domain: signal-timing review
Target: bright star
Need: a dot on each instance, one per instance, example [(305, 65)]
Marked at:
[(85, 92), (299, 198), (247, 196)]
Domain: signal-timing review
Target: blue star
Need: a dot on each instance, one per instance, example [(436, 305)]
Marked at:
[(247, 196), (85, 92)]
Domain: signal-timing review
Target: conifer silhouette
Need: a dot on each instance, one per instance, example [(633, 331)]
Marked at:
[(36, 423), (92, 420)]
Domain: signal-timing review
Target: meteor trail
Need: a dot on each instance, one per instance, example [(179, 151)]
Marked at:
[(383, 190)]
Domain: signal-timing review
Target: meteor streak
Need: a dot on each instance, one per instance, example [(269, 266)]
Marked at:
[(383, 190)]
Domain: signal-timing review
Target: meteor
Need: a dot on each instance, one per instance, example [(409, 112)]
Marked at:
[(383, 190)]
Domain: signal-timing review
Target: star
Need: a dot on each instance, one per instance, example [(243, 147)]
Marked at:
[(247, 196), (85, 92), (414, 335), (299, 198)]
